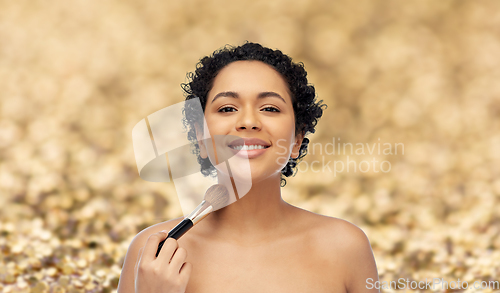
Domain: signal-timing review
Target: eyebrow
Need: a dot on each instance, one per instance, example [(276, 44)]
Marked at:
[(235, 95)]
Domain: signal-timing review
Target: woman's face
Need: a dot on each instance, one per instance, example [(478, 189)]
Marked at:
[(251, 100)]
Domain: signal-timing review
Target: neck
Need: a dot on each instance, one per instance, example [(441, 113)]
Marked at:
[(259, 216)]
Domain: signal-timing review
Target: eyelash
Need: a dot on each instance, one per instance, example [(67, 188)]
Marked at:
[(221, 109)]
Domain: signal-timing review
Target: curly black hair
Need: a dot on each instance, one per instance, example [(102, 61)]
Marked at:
[(307, 111)]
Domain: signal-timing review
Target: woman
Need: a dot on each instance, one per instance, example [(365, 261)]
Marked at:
[(259, 243)]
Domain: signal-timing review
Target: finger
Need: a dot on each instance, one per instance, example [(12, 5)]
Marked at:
[(139, 255), (167, 251), (185, 272), (178, 260), (149, 253)]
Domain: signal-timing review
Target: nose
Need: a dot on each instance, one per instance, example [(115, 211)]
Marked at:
[(248, 120)]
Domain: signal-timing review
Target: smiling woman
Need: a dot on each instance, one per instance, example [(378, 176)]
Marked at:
[(306, 110), (259, 107), (259, 243)]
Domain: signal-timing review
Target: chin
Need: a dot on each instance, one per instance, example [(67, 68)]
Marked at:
[(262, 176)]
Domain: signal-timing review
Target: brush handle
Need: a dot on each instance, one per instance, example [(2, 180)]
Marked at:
[(176, 232)]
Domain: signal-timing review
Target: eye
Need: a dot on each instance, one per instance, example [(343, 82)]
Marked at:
[(271, 109), (226, 109)]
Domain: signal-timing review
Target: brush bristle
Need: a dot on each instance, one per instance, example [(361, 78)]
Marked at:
[(218, 196)]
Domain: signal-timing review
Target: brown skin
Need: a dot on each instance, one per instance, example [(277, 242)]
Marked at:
[(259, 243)]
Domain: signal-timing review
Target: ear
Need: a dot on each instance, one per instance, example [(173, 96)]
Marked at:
[(296, 148), (199, 137)]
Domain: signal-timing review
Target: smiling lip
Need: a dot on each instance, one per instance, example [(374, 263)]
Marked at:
[(250, 154)]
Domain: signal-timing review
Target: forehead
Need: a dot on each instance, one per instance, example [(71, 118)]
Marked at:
[(249, 76)]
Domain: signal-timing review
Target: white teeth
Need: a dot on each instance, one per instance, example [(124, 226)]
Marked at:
[(248, 147)]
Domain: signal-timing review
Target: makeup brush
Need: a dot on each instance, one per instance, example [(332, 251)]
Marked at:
[(216, 197)]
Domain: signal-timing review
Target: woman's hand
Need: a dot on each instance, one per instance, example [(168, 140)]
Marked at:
[(166, 273)]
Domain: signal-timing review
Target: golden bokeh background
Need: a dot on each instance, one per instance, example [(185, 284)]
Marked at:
[(75, 77)]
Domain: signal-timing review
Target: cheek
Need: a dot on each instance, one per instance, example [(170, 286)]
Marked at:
[(284, 131), (287, 131), (284, 146), (214, 124)]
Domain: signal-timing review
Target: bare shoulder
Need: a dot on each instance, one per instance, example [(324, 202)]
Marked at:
[(343, 233), (344, 245), (334, 231)]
